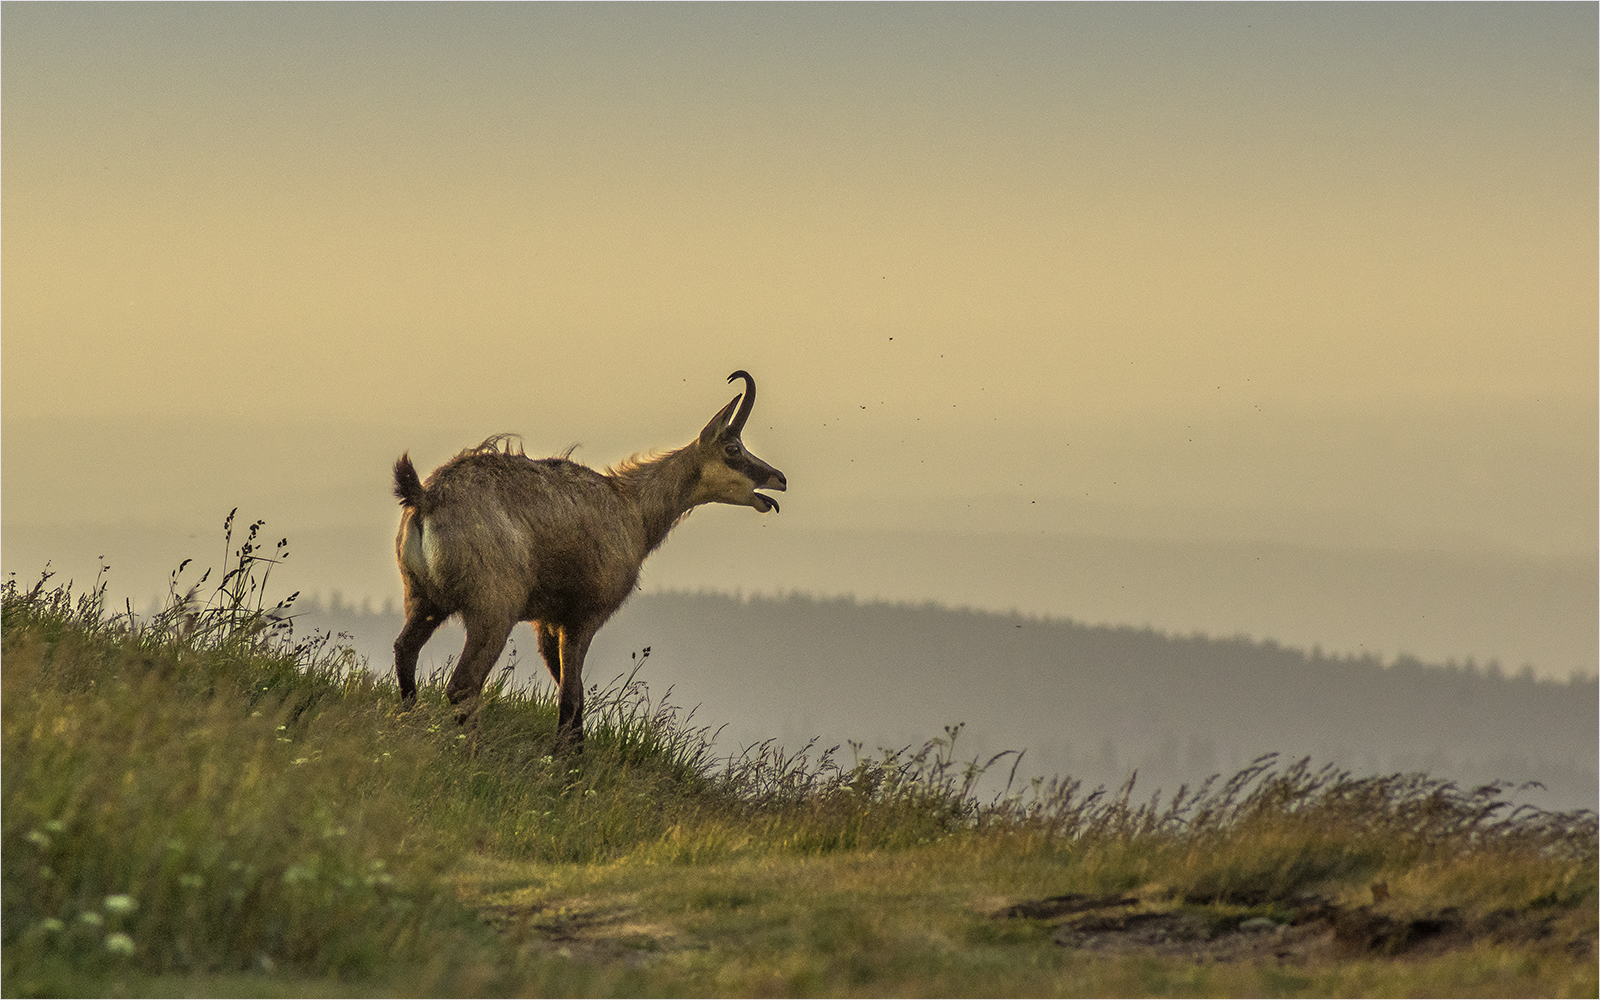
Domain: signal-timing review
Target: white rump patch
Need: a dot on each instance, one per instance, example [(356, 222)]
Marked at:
[(420, 551), (431, 556)]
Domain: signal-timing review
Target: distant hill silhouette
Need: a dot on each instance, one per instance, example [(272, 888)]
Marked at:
[(1094, 702)]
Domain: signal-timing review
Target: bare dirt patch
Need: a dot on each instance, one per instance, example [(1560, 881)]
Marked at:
[(574, 929), (1310, 929)]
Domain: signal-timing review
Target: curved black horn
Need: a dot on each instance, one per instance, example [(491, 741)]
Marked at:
[(736, 425)]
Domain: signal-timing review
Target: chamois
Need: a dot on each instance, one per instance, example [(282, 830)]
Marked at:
[(499, 538)]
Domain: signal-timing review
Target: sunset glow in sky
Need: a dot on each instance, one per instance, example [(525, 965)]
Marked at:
[(1081, 207)]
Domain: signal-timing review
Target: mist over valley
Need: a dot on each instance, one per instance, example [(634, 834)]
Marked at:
[(1089, 702)]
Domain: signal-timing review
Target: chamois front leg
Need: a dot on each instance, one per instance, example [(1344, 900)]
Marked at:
[(550, 648), (574, 647)]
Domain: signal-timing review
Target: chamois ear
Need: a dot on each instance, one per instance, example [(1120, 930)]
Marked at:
[(718, 423)]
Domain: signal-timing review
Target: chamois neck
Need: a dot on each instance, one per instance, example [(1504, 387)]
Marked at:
[(661, 490)]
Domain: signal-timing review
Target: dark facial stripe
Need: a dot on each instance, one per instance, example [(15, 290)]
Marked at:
[(755, 469)]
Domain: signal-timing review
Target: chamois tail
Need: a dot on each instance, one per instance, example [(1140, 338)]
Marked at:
[(407, 487)]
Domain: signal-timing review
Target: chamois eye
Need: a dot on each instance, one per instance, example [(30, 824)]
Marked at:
[(731, 450)]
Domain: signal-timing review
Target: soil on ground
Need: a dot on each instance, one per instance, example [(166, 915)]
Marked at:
[(1308, 928)]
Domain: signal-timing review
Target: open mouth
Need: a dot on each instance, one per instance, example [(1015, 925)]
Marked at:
[(764, 502)]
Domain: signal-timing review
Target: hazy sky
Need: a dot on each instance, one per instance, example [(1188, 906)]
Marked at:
[(1324, 271)]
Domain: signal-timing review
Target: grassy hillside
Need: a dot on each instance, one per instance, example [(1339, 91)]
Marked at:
[(1094, 701), (203, 804)]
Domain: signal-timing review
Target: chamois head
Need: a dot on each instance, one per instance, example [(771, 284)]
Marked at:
[(728, 472)]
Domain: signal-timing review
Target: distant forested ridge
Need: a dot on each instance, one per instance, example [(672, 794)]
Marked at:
[(1091, 701)]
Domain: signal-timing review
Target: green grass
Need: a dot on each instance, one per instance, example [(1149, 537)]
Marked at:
[(203, 804)]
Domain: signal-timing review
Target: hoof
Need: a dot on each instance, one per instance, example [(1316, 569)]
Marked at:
[(466, 712)]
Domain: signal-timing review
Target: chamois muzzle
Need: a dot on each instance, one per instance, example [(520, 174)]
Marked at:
[(774, 480)]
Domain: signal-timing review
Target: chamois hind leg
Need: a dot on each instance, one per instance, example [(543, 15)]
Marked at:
[(574, 647), (550, 648), (422, 620), (486, 639)]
